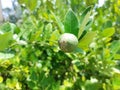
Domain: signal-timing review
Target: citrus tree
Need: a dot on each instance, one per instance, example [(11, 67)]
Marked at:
[(61, 45)]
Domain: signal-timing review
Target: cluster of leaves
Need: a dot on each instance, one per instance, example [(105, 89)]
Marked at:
[(30, 58)]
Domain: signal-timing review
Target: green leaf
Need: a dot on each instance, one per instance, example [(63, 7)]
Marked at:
[(116, 81), (31, 4), (31, 84), (54, 37), (33, 76), (108, 32), (79, 50), (6, 27), (1, 79), (117, 56), (86, 40), (91, 86), (4, 40), (84, 21), (107, 24), (84, 14), (114, 47), (90, 22), (58, 22), (71, 23)]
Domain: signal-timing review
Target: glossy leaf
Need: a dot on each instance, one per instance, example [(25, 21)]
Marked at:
[(71, 23)]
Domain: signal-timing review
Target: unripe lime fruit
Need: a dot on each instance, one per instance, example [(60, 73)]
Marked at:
[(68, 42)]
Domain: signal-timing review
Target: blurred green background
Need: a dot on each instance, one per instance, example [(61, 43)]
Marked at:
[(30, 58)]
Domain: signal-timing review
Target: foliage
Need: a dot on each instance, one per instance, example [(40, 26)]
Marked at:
[(30, 58)]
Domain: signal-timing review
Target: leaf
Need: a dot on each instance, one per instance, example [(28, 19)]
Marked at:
[(6, 55), (117, 56), (31, 4), (4, 40), (84, 13), (84, 22), (58, 22), (107, 24), (89, 85), (1, 79), (54, 37), (90, 22), (31, 84), (33, 76), (114, 47), (79, 50), (116, 81), (86, 40), (14, 28), (6, 27), (71, 23), (108, 32)]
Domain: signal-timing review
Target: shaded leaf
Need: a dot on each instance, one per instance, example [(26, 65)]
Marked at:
[(32, 4), (79, 50)]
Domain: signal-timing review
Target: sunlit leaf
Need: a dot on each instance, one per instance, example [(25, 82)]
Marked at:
[(116, 81), (86, 40), (58, 22), (4, 40), (84, 22), (117, 56), (1, 79), (108, 32), (114, 47), (31, 4), (54, 36), (84, 14)]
